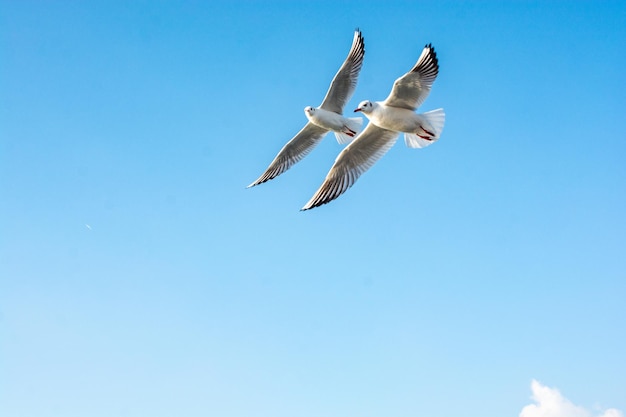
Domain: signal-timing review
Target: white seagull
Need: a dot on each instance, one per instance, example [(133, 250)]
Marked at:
[(326, 117), (387, 119)]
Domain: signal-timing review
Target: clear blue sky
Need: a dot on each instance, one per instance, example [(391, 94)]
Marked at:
[(139, 277)]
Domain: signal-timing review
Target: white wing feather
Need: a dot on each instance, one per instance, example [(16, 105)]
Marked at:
[(352, 162)]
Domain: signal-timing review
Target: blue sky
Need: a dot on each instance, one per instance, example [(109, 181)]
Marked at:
[(138, 275)]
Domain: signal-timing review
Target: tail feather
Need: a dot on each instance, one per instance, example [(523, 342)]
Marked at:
[(435, 120), (351, 130)]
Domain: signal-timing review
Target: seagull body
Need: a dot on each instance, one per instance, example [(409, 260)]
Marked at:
[(345, 128), (327, 117), (401, 120), (387, 119)]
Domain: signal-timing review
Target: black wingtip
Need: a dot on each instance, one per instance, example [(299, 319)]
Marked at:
[(308, 206), (433, 55), (360, 35)]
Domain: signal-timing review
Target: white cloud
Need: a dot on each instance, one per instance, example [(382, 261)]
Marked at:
[(612, 412), (550, 403)]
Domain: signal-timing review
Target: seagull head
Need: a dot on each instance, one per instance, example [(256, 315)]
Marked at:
[(365, 107), (309, 110)]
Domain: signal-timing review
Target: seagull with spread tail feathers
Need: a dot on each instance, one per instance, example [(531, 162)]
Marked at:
[(328, 116), (386, 120)]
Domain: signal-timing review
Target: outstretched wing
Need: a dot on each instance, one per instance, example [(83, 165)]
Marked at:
[(296, 149), (352, 162), (343, 85), (410, 90)]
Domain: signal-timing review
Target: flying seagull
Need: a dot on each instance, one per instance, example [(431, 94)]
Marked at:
[(328, 116), (386, 120)]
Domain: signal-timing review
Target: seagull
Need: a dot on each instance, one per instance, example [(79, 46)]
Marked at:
[(328, 116), (386, 120)]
